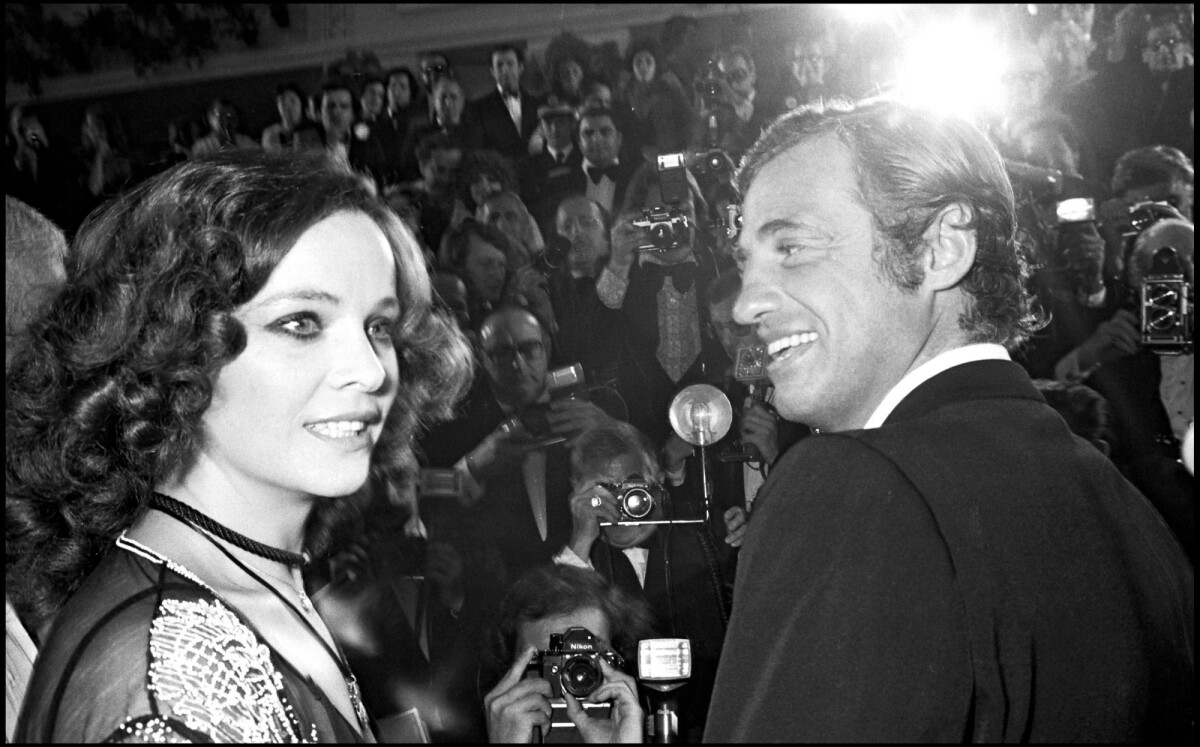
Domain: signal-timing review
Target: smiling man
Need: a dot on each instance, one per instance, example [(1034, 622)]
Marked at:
[(944, 561)]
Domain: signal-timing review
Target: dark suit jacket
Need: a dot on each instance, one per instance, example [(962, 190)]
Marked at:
[(489, 125), (698, 595), (575, 182), (970, 571), (535, 173)]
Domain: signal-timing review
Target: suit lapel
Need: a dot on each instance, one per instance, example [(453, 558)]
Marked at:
[(988, 379)]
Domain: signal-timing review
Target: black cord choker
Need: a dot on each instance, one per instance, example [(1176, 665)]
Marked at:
[(186, 513)]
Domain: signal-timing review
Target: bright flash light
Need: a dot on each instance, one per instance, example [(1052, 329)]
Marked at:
[(952, 68)]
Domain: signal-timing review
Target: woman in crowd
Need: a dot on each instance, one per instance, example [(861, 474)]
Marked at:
[(662, 114), (294, 130), (237, 341), (107, 168)]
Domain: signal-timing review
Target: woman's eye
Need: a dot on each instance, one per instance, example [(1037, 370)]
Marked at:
[(303, 326), (385, 330)]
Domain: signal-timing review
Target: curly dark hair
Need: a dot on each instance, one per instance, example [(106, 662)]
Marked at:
[(107, 398), (484, 162), (910, 166)]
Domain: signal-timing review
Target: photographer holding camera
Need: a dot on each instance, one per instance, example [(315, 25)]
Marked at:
[(1098, 334), (677, 569), (549, 601), (661, 262)]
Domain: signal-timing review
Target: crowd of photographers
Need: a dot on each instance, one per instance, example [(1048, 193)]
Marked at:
[(581, 237)]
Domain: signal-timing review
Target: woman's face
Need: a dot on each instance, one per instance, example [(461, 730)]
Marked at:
[(299, 411), (570, 75), (399, 91), (484, 186), (485, 268), (291, 110), (643, 67)]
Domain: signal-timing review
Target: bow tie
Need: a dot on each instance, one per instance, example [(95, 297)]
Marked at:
[(683, 275), (595, 173)]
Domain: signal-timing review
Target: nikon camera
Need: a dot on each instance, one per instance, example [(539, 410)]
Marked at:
[(571, 663), (636, 498)]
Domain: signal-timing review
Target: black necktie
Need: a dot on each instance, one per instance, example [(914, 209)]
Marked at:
[(683, 275), (595, 173)]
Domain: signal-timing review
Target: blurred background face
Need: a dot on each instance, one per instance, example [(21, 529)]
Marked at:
[(485, 266), (439, 170), (811, 62), (337, 111), (558, 131), (579, 222), (448, 103), (599, 95), (451, 294), (737, 71), (399, 92), (372, 100), (290, 108), (505, 213), (92, 132), (484, 186), (506, 70), (732, 336), (644, 67), (515, 358), (570, 75), (1166, 49), (599, 140), (433, 68)]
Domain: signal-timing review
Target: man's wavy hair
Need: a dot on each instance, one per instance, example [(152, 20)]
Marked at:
[(107, 399), (910, 166)]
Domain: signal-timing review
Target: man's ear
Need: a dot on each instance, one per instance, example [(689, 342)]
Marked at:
[(951, 247)]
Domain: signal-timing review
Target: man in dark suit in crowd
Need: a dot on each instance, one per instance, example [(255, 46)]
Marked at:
[(601, 176), (944, 560), (505, 119), (558, 157)]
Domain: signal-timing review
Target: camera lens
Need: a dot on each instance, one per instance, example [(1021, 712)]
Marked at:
[(637, 503), (580, 676)]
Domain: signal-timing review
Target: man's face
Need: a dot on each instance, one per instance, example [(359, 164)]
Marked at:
[(1176, 192), (337, 111), (399, 91), (840, 334), (811, 63), (558, 130), (579, 221), (448, 103), (600, 95), (485, 267), (733, 336), (599, 140), (1166, 49), (515, 358), (506, 70), (438, 171), (537, 633), (372, 100), (616, 471), (504, 212), (737, 71)]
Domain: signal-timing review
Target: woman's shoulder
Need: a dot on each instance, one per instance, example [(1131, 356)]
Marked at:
[(162, 657)]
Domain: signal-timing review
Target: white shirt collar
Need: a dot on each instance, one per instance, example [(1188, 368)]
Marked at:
[(930, 368)]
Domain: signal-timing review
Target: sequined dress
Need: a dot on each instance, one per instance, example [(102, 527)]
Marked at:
[(144, 652)]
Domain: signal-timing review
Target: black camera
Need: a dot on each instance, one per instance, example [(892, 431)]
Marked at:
[(567, 382), (571, 663), (1164, 302), (665, 228), (635, 497)]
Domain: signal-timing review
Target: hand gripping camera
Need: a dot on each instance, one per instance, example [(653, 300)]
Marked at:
[(635, 497), (571, 663), (666, 226)]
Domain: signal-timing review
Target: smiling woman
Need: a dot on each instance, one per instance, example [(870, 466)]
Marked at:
[(240, 341)]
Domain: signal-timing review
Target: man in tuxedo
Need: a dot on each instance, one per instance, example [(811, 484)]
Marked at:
[(505, 119), (601, 176), (944, 560)]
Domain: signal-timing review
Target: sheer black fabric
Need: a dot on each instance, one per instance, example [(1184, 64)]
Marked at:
[(144, 653)]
